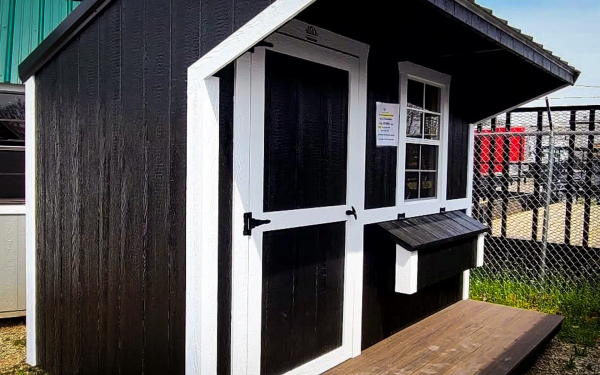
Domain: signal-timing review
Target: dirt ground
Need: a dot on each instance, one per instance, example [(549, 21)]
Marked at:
[(519, 224), (553, 361), (13, 348)]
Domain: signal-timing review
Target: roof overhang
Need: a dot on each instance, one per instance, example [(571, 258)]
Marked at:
[(498, 30), (281, 11)]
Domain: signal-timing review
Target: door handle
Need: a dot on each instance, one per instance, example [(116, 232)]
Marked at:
[(251, 223), (352, 212)]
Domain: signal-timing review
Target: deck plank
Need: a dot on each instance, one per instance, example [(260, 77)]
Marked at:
[(469, 337)]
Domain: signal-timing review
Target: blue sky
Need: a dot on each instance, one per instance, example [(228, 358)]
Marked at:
[(569, 28)]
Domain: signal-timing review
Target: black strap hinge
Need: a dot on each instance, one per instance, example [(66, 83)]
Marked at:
[(251, 223)]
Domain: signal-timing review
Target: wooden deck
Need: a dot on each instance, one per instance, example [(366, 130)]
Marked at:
[(468, 337)]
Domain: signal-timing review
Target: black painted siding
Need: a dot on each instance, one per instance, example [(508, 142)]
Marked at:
[(383, 85), (458, 156), (386, 312), (111, 116), (380, 176), (226, 85)]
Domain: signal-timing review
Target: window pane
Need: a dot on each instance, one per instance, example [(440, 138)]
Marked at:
[(12, 162), (415, 94), (412, 156), (432, 98), (432, 126), (429, 158), (411, 185), (428, 181), (414, 121), (12, 106)]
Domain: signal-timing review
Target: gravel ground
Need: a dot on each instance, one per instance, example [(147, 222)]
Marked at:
[(553, 361), (12, 348), (557, 355)]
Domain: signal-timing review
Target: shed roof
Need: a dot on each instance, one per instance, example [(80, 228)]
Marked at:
[(418, 233), (467, 11)]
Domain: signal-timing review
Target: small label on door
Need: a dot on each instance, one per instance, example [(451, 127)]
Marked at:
[(386, 131)]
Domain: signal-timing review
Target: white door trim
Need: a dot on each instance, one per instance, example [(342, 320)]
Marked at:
[(202, 230), (30, 220), (247, 259)]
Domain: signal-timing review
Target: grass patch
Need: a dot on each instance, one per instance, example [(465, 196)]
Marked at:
[(578, 303)]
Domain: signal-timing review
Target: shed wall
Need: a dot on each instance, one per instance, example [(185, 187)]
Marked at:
[(111, 116), (380, 177), (111, 124)]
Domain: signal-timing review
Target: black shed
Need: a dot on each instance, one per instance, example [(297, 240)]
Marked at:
[(256, 187)]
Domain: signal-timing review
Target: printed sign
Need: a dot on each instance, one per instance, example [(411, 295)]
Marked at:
[(387, 124)]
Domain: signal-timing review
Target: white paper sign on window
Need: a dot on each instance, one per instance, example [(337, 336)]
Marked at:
[(387, 124)]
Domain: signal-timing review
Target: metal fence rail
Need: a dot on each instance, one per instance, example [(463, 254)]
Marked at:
[(538, 188)]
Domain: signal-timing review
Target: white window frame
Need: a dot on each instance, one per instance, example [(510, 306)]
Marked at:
[(424, 206)]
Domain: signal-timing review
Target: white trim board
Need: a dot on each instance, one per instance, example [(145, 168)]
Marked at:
[(13, 209), (30, 221), (247, 36), (419, 207), (407, 267), (202, 229)]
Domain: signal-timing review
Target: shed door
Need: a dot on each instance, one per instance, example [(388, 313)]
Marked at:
[(300, 290)]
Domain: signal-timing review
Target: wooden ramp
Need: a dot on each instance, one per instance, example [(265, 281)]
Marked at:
[(469, 337)]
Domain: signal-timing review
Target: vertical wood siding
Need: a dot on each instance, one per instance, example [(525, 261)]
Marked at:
[(226, 84), (458, 156), (111, 116), (380, 175), (386, 312)]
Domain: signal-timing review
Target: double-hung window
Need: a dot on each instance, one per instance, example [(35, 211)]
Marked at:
[(424, 128)]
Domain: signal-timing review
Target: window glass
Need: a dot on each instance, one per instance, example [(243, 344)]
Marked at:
[(12, 153), (429, 158), (12, 116), (432, 98), (411, 185), (423, 124), (414, 122), (413, 156), (415, 94), (427, 185), (431, 128)]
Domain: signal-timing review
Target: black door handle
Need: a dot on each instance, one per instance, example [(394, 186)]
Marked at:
[(352, 212), (251, 223)]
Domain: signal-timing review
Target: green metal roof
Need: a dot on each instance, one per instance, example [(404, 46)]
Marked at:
[(23, 26)]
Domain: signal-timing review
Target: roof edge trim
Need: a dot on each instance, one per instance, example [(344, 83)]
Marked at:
[(513, 40), (64, 32)]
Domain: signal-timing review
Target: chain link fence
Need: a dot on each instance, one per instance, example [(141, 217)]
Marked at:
[(537, 187)]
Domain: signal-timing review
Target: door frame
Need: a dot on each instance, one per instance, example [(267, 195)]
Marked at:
[(304, 41)]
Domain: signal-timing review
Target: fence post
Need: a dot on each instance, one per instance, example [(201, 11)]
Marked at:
[(491, 192), (537, 175), (588, 181), (505, 176), (546, 224), (570, 179), (477, 165)]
